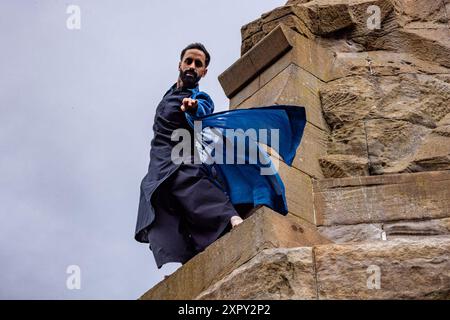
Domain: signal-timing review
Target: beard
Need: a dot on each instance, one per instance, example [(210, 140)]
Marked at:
[(190, 78)]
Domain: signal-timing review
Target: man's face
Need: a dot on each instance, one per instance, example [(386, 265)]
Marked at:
[(192, 68)]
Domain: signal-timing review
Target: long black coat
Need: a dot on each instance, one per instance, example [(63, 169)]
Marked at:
[(168, 117)]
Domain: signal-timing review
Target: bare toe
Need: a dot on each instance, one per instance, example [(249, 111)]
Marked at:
[(235, 221)]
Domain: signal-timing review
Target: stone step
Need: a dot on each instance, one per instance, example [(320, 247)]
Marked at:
[(398, 269), (265, 229)]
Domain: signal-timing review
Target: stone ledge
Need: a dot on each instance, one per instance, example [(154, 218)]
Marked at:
[(375, 199), (264, 230), (244, 70), (408, 269), (314, 58), (273, 274), (370, 232)]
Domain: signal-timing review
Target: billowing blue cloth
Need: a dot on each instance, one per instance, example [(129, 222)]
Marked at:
[(244, 183)]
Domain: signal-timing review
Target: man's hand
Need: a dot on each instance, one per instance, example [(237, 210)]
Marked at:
[(189, 104)]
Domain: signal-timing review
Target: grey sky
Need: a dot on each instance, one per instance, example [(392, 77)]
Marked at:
[(76, 112)]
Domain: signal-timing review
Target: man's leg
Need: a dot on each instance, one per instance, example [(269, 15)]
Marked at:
[(207, 209), (168, 242)]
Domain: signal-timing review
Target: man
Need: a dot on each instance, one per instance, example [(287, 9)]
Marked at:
[(181, 210)]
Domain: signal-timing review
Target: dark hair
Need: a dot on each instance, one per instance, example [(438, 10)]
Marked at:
[(197, 46)]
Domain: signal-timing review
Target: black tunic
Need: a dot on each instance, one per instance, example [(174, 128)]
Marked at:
[(168, 117), (181, 209)]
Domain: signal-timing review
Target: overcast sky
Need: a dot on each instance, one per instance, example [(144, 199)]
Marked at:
[(76, 112)]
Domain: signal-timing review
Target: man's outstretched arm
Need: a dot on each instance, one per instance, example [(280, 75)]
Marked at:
[(199, 105)]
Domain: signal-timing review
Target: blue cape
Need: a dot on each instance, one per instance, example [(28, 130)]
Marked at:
[(244, 183)]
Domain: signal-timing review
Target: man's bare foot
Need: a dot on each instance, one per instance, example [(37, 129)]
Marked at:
[(235, 221)]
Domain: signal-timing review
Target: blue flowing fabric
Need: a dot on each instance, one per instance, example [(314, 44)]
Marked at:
[(244, 183)]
